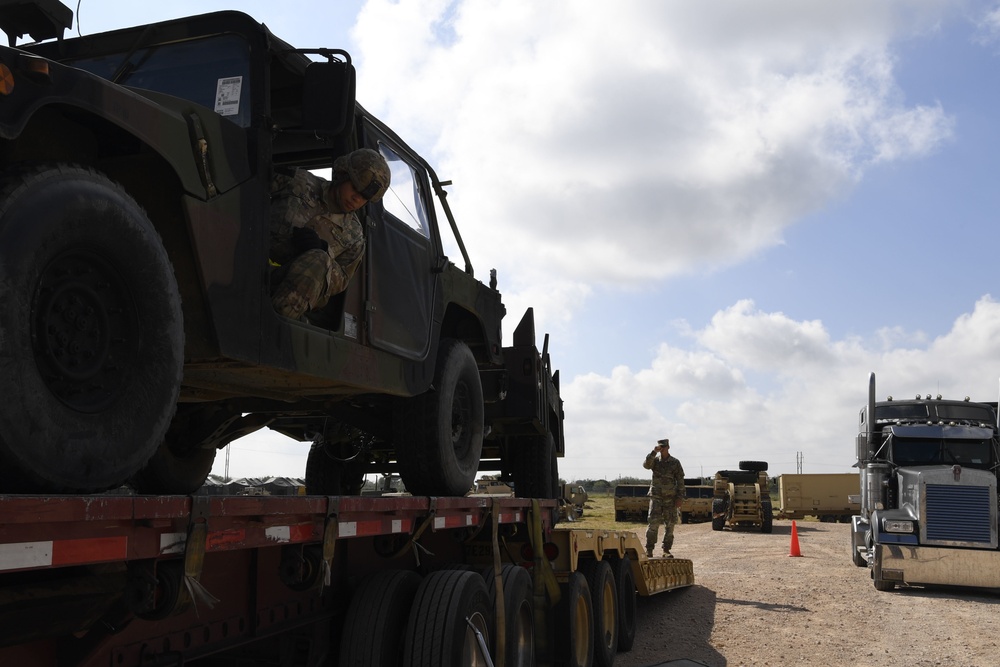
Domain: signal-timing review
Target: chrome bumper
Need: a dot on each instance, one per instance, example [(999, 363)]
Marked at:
[(907, 564)]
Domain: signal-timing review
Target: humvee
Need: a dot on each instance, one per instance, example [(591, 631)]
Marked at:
[(742, 498), (138, 337)]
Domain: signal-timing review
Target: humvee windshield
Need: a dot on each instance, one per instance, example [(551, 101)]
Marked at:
[(211, 71)]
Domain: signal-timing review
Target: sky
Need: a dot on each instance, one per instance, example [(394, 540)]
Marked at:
[(726, 215)]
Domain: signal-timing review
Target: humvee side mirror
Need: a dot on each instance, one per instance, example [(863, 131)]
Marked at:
[(328, 97)]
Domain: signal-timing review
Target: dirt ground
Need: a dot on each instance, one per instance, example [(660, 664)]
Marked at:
[(753, 604)]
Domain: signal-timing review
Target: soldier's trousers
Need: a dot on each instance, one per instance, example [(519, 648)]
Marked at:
[(661, 511)]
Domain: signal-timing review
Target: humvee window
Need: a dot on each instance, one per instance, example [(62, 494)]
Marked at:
[(404, 201)]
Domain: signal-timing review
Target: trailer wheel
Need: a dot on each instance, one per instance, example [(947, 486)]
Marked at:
[(93, 333), (625, 584), (604, 600), (766, 516), (450, 606), (718, 513), (575, 622), (519, 614), (376, 619), (439, 434)]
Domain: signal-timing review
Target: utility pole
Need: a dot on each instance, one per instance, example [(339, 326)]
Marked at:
[(798, 462)]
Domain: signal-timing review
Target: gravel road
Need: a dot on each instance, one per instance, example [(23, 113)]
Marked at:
[(753, 604)]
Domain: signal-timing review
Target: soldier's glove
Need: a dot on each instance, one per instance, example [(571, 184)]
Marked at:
[(304, 238)]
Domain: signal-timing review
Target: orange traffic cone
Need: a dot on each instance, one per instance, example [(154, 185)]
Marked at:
[(795, 542)]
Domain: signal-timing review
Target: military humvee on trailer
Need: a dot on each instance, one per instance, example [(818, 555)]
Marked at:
[(137, 336)]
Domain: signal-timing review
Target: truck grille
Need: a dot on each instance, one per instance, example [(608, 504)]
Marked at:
[(958, 513)]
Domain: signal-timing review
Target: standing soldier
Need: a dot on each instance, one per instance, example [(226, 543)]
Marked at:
[(666, 494)]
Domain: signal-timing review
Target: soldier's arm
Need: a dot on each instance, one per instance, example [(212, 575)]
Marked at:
[(650, 459)]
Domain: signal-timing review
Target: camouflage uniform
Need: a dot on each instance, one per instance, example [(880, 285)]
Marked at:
[(306, 280), (666, 487)]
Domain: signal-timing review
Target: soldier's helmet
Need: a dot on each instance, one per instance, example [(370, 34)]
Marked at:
[(367, 170)]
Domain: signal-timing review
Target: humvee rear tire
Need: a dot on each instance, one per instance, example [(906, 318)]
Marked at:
[(93, 333), (718, 513), (326, 476), (533, 464), (439, 434), (767, 517), (753, 466), (168, 472)]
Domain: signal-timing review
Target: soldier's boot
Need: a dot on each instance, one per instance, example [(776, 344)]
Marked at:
[(649, 550)]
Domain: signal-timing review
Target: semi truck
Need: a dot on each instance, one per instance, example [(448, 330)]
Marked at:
[(928, 492), (830, 497), (139, 337)]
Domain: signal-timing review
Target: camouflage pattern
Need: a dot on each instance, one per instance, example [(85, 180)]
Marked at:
[(666, 487), (307, 281), (367, 170)]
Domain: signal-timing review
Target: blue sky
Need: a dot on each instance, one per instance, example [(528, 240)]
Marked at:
[(725, 214)]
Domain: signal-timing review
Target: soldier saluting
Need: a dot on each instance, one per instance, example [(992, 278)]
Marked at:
[(666, 493)]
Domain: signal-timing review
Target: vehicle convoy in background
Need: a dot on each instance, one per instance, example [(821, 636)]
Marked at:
[(697, 505), (830, 497), (928, 490), (742, 498), (138, 333), (138, 339)]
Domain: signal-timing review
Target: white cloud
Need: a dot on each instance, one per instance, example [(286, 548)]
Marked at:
[(658, 139)]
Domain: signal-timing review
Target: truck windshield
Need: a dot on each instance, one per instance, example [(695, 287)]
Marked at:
[(211, 71), (913, 451)]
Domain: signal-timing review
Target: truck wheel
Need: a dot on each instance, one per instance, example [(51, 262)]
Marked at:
[(625, 584), (604, 600), (326, 476), (169, 472), (448, 605), (93, 333), (766, 517), (718, 513), (372, 635), (856, 556), (439, 434), (881, 584), (533, 460), (753, 466), (575, 623), (519, 614)]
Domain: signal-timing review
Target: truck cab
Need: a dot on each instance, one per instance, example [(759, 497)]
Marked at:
[(928, 492)]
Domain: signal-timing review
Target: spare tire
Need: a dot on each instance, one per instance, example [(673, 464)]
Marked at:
[(753, 466)]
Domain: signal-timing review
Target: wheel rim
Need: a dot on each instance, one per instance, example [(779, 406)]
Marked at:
[(524, 638), (472, 654), (85, 331), (461, 416), (609, 622)]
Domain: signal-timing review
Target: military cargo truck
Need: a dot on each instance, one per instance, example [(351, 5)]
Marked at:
[(928, 492), (138, 333), (741, 498), (632, 502), (697, 505), (830, 497)]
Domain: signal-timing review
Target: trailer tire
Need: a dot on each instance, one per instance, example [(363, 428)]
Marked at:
[(753, 466), (575, 623), (93, 333), (439, 434), (604, 600), (437, 634), (625, 583), (376, 619), (519, 614), (766, 517)]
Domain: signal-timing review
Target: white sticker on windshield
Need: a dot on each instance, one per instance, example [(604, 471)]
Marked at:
[(227, 96)]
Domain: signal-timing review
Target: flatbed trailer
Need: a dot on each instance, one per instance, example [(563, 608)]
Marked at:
[(116, 580)]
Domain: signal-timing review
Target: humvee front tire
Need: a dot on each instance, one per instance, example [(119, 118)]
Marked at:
[(93, 333), (439, 434)]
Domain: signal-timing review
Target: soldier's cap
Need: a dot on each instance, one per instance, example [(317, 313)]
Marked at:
[(665, 441), (367, 170)]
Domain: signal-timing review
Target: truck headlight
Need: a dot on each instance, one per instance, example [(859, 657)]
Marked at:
[(896, 526)]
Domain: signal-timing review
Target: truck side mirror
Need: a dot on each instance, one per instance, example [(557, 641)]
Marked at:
[(328, 97)]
